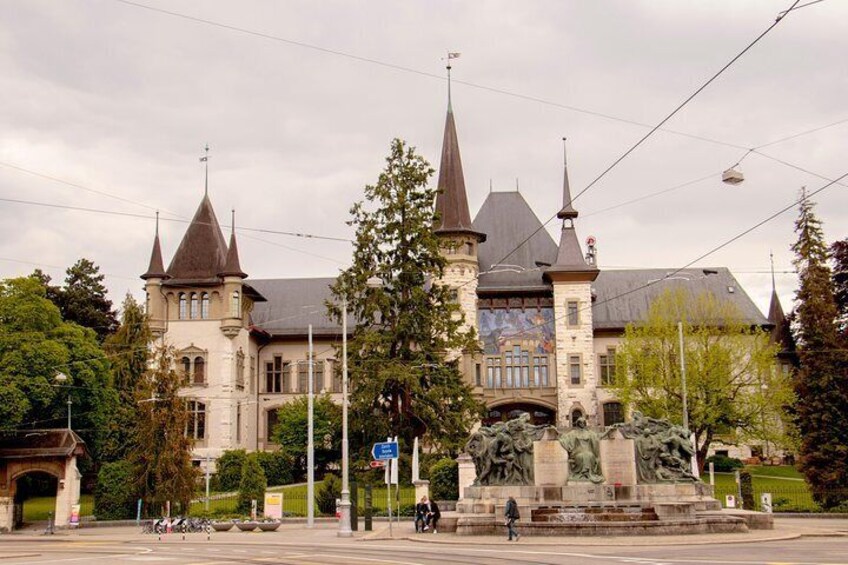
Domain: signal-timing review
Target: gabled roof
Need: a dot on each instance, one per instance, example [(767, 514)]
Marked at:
[(21, 444), (508, 220), (202, 254), (451, 200), (623, 297)]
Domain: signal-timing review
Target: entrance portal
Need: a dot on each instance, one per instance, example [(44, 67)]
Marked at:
[(539, 415), (38, 453)]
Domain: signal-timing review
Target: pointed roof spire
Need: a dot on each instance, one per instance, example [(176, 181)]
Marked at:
[(202, 253), (776, 315), (205, 161), (451, 199), (567, 210), (156, 269), (232, 268)]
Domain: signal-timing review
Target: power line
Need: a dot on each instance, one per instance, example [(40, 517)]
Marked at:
[(178, 220)]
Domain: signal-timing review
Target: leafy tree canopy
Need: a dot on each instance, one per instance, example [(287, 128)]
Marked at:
[(291, 432), (82, 299), (732, 384), (36, 345), (402, 379)]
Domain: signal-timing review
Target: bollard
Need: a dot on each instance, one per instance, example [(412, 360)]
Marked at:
[(354, 506), (368, 508)]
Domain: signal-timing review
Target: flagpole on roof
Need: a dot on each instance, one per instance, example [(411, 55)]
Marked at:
[(205, 160)]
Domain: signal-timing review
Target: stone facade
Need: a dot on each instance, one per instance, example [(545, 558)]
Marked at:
[(575, 340)]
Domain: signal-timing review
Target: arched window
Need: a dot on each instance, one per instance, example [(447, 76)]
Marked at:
[(183, 307), (195, 311), (235, 306), (199, 371), (576, 415), (204, 305), (186, 363)]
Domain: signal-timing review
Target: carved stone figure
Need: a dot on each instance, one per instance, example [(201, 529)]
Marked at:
[(583, 447), (663, 450), (503, 452)]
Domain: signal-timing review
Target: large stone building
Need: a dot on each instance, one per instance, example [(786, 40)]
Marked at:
[(548, 317)]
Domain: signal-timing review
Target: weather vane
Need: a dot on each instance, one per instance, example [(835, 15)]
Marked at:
[(205, 159), (451, 55)]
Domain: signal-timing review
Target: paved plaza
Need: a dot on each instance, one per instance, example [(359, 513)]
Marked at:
[(793, 541)]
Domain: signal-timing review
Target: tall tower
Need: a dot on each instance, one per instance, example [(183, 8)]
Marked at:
[(571, 277), (453, 225), (156, 304)]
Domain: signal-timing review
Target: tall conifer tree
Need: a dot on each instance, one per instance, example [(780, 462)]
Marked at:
[(404, 381), (820, 382)]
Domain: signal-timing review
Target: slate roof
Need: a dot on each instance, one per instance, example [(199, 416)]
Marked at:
[(507, 219), (451, 200), (293, 304), (156, 269), (620, 298), (202, 254)]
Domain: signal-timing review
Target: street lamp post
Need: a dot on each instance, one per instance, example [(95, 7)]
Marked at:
[(345, 530), (61, 378)]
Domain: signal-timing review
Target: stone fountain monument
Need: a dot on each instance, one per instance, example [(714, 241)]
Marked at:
[(628, 479)]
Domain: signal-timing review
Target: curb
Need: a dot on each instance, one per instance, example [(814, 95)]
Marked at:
[(601, 541)]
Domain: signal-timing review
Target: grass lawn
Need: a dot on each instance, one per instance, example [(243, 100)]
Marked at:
[(37, 508), (294, 500), (788, 494)]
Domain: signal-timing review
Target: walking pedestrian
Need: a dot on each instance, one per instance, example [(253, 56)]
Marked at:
[(512, 515)]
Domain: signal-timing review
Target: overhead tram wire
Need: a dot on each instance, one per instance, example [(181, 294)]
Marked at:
[(655, 128), (179, 220), (715, 249), (427, 74)]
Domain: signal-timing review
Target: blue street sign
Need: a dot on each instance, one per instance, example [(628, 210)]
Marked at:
[(385, 450)]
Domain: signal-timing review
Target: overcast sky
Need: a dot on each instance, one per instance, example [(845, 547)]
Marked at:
[(119, 100)]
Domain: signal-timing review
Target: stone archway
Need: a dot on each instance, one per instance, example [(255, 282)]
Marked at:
[(53, 452), (539, 414)]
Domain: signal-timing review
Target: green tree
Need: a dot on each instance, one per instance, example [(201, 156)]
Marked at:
[(162, 451), (82, 299), (820, 381), (839, 258), (277, 465), (403, 379), (129, 351), (228, 469), (252, 485), (733, 387), (36, 345), (291, 432), (113, 497), (328, 492)]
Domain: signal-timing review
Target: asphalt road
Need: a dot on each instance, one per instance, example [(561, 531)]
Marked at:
[(222, 551)]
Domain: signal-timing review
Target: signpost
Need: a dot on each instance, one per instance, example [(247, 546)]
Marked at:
[(386, 453), (385, 450), (378, 464)]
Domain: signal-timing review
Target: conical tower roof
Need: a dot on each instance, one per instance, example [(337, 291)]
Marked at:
[(156, 269), (452, 201), (567, 211), (202, 254), (232, 268)]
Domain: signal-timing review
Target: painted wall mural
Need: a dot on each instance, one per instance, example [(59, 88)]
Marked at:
[(498, 326)]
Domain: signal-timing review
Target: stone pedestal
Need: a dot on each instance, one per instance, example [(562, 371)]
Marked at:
[(618, 460), (422, 488), (467, 473), (550, 463)]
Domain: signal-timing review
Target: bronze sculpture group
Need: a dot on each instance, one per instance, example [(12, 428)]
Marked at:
[(503, 452)]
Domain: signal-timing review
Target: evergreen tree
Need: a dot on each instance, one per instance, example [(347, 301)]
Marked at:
[(401, 381), (820, 381), (162, 451), (129, 351), (839, 258)]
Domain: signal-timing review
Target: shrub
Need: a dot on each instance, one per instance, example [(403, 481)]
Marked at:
[(724, 464), (228, 469), (252, 485), (114, 497), (444, 480), (328, 492), (277, 466)]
